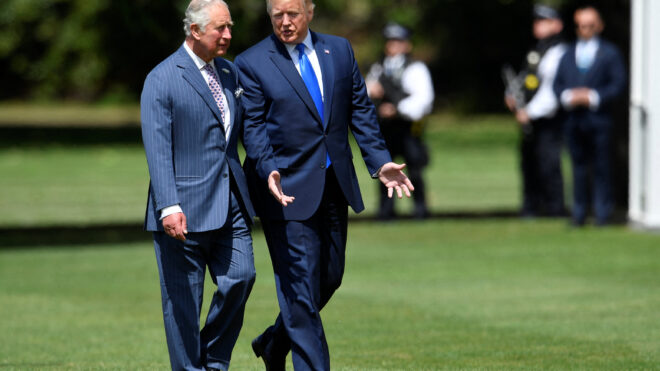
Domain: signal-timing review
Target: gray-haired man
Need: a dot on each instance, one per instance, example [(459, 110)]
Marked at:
[(198, 210)]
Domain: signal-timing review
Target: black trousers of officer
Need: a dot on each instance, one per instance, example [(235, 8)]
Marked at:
[(540, 161), (401, 141)]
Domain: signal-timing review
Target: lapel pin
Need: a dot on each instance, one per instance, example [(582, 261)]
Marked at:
[(225, 70), (326, 51)]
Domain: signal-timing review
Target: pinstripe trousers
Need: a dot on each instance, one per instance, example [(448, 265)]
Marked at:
[(227, 252)]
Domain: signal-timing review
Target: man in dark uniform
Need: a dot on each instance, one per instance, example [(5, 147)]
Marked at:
[(402, 90), (541, 126)]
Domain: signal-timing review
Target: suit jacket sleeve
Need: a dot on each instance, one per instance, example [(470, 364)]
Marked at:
[(255, 132), (364, 123), (157, 137), (615, 77)]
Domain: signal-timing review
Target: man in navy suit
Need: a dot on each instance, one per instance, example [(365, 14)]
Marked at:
[(303, 94), (590, 77), (198, 207)]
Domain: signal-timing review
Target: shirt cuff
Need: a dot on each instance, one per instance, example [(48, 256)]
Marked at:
[(375, 175), (565, 98), (594, 100), (166, 211)]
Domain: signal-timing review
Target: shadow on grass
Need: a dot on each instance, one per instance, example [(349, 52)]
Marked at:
[(25, 237), (15, 135)]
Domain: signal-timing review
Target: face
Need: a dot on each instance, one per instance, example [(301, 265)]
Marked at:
[(588, 23), (396, 47), (544, 28), (290, 19), (213, 41)]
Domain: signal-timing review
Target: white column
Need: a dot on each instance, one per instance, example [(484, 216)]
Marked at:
[(644, 202)]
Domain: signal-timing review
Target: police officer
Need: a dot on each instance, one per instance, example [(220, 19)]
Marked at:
[(402, 90), (538, 116)]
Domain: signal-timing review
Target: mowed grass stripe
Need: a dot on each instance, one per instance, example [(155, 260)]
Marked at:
[(443, 294)]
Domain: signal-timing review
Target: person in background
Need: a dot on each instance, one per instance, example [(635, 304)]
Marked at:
[(198, 207), (303, 95), (540, 119), (591, 76), (402, 90)]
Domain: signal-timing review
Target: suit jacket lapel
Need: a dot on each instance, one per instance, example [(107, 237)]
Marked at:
[(328, 72), (194, 77), (595, 65), (227, 81), (280, 56)]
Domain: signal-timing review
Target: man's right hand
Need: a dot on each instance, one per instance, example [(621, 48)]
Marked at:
[(175, 226), (275, 188)]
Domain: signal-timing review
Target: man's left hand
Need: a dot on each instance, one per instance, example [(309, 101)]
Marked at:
[(522, 117), (392, 176)]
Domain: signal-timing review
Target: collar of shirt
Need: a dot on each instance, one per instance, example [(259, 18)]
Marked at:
[(588, 46), (291, 48), (199, 62), (311, 55)]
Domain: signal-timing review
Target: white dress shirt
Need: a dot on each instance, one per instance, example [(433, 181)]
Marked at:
[(226, 119), (310, 52), (585, 55), (199, 62)]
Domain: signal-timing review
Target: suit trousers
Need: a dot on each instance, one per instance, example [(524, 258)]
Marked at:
[(589, 146), (308, 259), (227, 252)]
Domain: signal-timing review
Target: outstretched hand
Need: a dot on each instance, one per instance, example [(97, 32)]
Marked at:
[(275, 188), (392, 176)]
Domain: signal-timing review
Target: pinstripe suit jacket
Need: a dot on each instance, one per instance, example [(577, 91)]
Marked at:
[(189, 159)]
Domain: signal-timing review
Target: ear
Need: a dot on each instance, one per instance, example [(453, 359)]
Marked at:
[(195, 31), (310, 12)]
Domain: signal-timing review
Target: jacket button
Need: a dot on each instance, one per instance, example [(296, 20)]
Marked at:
[(225, 175), (322, 166)]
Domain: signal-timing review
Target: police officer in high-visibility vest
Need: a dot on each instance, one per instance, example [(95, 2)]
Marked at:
[(402, 90), (538, 116)]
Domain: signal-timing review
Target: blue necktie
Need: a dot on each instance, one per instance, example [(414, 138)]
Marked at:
[(312, 84)]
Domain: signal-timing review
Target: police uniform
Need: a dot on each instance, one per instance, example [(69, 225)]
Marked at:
[(407, 84), (541, 139)]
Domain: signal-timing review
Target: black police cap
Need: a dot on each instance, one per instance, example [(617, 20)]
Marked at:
[(396, 31), (545, 12)]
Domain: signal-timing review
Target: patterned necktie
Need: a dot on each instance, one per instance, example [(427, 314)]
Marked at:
[(312, 84), (214, 85)]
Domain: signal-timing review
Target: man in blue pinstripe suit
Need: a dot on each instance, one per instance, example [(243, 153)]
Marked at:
[(198, 206)]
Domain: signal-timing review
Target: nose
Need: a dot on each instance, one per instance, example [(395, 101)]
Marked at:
[(286, 20), (226, 34)]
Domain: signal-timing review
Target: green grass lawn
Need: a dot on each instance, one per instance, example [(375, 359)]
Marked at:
[(473, 168), (441, 294)]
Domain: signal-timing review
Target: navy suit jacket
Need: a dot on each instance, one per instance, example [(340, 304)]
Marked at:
[(189, 160), (607, 76), (284, 132)]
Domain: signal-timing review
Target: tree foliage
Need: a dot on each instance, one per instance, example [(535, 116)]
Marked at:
[(101, 50)]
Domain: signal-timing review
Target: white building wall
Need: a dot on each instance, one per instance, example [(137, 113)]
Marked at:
[(644, 202)]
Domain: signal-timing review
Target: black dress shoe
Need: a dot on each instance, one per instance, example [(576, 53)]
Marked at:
[(271, 362)]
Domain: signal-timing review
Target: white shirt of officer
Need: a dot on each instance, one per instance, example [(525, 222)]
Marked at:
[(544, 103), (416, 82)]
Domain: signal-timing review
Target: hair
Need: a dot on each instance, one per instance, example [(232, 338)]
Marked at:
[(306, 3), (197, 13)]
